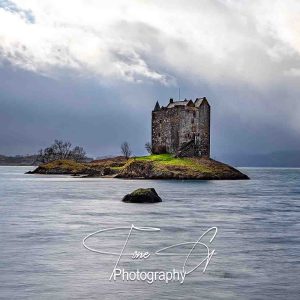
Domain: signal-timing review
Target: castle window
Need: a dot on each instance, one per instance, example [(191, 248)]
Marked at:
[(194, 113), (192, 120)]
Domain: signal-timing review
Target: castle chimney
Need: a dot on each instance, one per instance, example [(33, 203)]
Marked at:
[(171, 100)]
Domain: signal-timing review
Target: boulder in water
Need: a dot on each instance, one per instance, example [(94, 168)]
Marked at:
[(142, 196)]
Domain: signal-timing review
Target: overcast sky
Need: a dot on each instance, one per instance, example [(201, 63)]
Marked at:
[(90, 71)]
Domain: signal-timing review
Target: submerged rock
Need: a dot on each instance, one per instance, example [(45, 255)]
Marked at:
[(142, 196)]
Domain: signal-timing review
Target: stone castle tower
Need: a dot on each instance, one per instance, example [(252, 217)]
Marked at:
[(182, 128)]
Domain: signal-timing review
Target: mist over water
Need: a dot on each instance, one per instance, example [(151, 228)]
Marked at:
[(43, 220)]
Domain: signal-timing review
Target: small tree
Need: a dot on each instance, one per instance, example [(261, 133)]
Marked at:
[(148, 147), (78, 154), (61, 150), (126, 151)]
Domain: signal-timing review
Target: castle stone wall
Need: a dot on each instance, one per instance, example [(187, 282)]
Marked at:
[(179, 124), (204, 128)]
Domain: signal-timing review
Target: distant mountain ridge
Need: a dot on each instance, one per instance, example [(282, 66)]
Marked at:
[(22, 160), (18, 160), (288, 159)]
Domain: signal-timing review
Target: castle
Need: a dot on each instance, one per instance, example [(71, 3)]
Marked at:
[(182, 128)]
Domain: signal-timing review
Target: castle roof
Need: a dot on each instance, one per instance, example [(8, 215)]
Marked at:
[(177, 103), (182, 103), (186, 102), (157, 107), (199, 101)]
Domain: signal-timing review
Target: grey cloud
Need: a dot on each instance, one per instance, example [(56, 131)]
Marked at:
[(14, 8)]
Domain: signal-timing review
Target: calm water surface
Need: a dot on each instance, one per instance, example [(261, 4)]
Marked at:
[(43, 220)]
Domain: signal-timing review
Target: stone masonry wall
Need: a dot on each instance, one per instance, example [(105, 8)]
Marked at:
[(204, 127), (172, 127)]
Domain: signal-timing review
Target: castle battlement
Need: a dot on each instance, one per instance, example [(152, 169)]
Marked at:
[(182, 128)]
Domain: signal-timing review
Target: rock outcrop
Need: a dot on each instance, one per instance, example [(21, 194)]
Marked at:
[(180, 168), (187, 149), (142, 196)]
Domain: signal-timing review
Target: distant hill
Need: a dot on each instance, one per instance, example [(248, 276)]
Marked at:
[(289, 159), (18, 160), (23, 160)]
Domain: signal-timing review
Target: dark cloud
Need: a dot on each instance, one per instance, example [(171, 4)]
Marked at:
[(35, 110)]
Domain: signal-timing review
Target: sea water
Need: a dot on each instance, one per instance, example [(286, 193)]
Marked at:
[(43, 220)]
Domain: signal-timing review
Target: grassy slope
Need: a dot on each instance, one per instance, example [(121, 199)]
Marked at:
[(67, 165), (64, 163), (167, 160)]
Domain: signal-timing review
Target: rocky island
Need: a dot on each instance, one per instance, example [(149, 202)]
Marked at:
[(180, 149), (156, 166)]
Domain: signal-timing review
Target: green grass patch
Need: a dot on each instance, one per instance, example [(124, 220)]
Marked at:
[(156, 157), (117, 168), (169, 160)]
